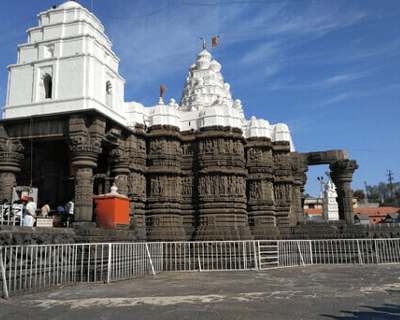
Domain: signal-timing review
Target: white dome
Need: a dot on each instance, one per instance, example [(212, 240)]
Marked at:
[(164, 115), (70, 5), (203, 60), (258, 128), (215, 66), (220, 116), (281, 128), (281, 132)]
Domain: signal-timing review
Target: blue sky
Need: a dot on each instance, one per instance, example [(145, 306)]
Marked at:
[(329, 69)]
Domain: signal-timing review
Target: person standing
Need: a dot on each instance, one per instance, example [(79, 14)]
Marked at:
[(45, 209), (30, 208), (69, 208)]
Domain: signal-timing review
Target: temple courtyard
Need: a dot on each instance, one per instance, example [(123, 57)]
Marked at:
[(314, 292)]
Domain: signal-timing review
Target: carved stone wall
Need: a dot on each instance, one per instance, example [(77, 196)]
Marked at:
[(207, 185), (283, 184), (163, 213), (137, 184), (222, 186), (260, 188)]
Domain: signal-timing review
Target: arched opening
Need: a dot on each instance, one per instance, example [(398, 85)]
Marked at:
[(48, 86)]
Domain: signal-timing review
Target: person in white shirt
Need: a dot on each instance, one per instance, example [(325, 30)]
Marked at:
[(69, 207), (30, 216)]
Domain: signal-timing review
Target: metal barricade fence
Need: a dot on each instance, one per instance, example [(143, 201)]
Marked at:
[(26, 269), (33, 268), (338, 251), (210, 256)]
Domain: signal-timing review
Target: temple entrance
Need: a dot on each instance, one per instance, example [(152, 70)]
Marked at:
[(46, 166)]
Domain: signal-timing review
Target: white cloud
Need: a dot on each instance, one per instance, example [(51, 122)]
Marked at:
[(263, 52), (359, 93)]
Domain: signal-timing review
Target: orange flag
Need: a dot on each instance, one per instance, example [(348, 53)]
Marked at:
[(162, 89), (214, 41)]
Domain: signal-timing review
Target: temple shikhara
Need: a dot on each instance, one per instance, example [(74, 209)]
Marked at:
[(193, 170)]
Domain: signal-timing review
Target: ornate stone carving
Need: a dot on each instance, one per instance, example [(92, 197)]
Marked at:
[(136, 184), (281, 159), (187, 149), (283, 191), (222, 185), (255, 191), (7, 183), (221, 146), (84, 186), (187, 186), (254, 154), (156, 146)]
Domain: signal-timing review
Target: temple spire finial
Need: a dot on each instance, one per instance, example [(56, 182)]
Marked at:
[(204, 44)]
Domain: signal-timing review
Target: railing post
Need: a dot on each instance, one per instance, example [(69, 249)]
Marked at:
[(151, 261), (278, 252), (3, 276), (109, 262), (255, 254), (198, 259), (311, 255), (301, 256), (359, 253)]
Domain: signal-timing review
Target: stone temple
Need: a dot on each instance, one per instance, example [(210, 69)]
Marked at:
[(197, 170)]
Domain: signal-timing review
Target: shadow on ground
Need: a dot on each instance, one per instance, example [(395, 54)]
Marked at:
[(385, 312)]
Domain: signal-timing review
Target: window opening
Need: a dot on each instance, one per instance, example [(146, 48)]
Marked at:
[(109, 93), (48, 86)]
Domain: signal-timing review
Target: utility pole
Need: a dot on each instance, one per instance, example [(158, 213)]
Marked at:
[(366, 188), (390, 176)]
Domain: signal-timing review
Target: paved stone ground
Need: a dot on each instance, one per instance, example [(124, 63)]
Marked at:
[(320, 292)]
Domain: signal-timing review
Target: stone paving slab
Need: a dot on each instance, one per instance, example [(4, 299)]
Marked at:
[(312, 292)]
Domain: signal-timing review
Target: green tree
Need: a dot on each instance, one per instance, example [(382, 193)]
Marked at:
[(386, 194), (360, 195)]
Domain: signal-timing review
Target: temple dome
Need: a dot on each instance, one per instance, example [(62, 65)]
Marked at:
[(203, 60), (70, 5), (281, 132), (215, 66), (257, 128), (220, 116), (164, 115)]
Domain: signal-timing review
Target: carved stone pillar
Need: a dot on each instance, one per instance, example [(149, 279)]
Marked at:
[(85, 148), (283, 184), (83, 194), (222, 186), (164, 216), (137, 186), (10, 164), (342, 176), (189, 202), (260, 191), (299, 169)]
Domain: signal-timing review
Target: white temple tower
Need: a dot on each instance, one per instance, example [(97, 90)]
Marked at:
[(330, 206), (66, 65)]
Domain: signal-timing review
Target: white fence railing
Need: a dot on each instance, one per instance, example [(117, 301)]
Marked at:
[(354, 251), (32, 268)]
